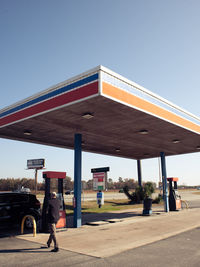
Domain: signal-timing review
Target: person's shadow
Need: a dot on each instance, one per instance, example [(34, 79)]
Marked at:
[(25, 250)]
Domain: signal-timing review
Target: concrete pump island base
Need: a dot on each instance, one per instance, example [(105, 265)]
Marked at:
[(102, 112), (109, 239)]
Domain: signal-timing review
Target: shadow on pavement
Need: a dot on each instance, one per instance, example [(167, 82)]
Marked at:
[(24, 250), (106, 216), (12, 231), (87, 219)]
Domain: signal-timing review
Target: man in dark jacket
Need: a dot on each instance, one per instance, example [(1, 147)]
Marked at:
[(53, 217)]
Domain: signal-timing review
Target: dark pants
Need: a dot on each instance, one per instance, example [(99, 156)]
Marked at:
[(52, 236)]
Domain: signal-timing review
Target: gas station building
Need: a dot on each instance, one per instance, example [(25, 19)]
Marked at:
[(102, 112)]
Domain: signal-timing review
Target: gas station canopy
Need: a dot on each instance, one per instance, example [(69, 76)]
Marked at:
[(114, 115)]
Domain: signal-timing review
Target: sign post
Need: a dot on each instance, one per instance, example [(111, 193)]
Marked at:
[(36, 181)]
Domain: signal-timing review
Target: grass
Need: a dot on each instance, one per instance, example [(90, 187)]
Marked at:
[(109, 205)]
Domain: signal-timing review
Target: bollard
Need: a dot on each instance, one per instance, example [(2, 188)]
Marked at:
[(34, 224)]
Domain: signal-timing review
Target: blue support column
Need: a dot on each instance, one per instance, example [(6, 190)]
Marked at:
[(77, 180), (164, 182), (139, 172)]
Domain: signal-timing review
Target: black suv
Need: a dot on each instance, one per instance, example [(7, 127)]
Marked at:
[(14, 206)]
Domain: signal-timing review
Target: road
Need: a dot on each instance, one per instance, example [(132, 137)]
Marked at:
[(92, 196), (185, 195)]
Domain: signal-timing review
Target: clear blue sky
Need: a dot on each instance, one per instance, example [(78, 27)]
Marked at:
[(154, 43)]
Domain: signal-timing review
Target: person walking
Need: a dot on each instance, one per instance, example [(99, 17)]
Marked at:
[(53, 217)]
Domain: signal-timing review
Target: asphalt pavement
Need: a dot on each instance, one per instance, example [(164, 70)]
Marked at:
[(121, 238), (181, 250)]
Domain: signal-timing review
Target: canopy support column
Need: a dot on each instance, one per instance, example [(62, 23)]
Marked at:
[(139, 172), (77, 179), (164, 182)]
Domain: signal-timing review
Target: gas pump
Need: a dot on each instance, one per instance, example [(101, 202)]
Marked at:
[(48, 176), (174, 197)]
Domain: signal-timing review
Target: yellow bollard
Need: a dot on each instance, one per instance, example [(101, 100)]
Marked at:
[(34, 224)]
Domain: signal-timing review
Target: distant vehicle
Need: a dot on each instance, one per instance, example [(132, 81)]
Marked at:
[(69, 192), (14, 206), (23, 190)]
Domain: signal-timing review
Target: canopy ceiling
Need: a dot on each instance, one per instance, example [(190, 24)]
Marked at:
[(114, 115)]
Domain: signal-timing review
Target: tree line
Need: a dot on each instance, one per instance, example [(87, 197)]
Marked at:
[(12, 184)]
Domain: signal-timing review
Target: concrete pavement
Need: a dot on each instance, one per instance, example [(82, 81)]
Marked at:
[(121, 231)]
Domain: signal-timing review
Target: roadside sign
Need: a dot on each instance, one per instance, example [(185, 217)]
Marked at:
[(35, 163), (99, 180), (103, 169), (100, 199), (99, 194)]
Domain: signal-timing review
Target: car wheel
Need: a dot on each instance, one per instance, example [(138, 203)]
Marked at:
[(28, 223)]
